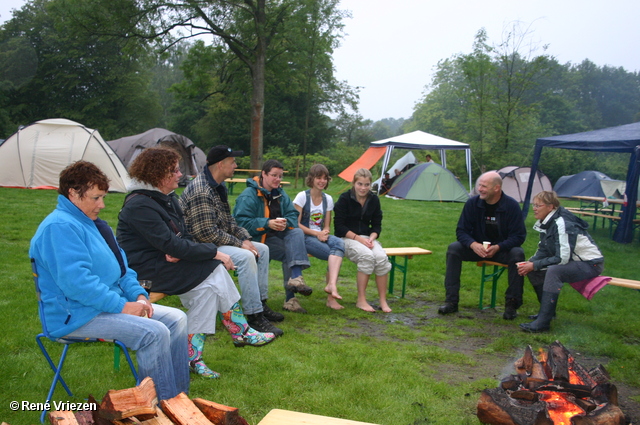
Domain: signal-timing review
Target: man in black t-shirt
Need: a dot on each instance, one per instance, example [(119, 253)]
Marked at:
[(492, 216)]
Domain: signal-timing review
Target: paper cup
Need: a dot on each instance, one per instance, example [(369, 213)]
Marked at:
[(146, 284), (486, 244)]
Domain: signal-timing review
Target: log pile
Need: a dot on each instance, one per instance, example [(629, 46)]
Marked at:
[(551, 389), (139, 406)]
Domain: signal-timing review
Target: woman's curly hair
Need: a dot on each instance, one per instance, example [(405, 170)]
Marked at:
[(82, 176), (153, 165)]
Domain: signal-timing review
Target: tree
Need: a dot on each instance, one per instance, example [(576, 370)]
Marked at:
[(97, 80)]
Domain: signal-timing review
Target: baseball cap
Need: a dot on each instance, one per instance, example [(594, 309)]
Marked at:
[(220, 152)]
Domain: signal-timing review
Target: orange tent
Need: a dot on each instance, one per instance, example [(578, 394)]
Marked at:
[(368, 159)]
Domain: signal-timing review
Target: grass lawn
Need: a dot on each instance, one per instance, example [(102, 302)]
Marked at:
[(410, 367)]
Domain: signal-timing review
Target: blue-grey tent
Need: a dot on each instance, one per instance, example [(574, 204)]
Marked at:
[(621, 139), (589, 183)]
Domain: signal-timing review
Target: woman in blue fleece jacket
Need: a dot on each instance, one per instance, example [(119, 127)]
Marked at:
[(88, 290)]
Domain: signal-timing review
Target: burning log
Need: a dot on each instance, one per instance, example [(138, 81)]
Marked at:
[(558, 362), (606, 414), (496, 407), (552, 388)]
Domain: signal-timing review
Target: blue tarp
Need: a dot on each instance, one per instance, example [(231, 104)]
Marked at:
[(621, 139)]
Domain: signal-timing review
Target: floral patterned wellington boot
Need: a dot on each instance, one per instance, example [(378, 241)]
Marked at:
[(241, 332), (196, 364)]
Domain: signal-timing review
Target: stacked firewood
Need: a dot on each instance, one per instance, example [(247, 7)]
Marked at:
[(139, 406)]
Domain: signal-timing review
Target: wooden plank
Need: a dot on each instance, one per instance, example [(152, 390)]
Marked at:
[(288, 417), (402, 251), (62, 417), (627, 283)]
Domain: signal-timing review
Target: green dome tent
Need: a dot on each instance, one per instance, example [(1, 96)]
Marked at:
[(429, 182)]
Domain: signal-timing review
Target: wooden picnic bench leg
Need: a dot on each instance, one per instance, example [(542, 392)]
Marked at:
[(392, 260), (402, 268)]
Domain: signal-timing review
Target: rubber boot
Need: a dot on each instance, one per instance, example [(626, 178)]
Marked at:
[(538, 289), (241, 333), (196, 364), (548, 305)]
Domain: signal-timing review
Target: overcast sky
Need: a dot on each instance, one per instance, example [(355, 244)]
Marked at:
[(391, 47)]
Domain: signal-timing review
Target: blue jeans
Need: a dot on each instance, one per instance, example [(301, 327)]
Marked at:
[(288, 246), (322, 250), (253, 275), (160, 344)]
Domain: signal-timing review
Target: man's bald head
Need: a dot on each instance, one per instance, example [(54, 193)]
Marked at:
[(489, 187)]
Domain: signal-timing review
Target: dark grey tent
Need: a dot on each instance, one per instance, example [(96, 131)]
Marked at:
[(622, 139), (589, 183), (192, 159)]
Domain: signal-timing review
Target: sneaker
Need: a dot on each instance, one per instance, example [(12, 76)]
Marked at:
[(294, 306), (261, 324), (271, 315), (448, 308), (253, 338), (297, 284)]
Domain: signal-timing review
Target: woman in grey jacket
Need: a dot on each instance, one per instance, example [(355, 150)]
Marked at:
[(566, 253)]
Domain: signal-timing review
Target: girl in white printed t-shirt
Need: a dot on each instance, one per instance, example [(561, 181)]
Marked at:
[(314, 219)]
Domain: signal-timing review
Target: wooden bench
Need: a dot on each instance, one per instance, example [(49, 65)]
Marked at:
[(288, 417), (407, 253), (627, 283), (232, 182), (498, 269)]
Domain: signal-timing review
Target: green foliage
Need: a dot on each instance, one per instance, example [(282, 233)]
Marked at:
[(98, 80), (501, 98)]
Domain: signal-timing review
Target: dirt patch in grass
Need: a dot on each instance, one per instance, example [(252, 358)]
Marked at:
[(488, 363)]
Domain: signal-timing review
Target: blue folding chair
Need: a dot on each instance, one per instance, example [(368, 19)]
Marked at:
[(57, 370)]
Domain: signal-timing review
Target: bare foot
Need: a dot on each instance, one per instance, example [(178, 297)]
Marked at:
[(385, 307), (332, 303), (366, 307), (333, 291)]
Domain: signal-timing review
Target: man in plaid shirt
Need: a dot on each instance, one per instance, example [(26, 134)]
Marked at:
[(208, 216)]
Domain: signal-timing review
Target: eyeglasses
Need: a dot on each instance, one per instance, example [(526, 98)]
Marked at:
[(275, 176), (536, 206)]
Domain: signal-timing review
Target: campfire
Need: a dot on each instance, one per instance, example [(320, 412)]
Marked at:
[(551, 389)]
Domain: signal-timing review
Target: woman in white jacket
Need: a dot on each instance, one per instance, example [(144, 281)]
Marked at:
[(566, 253)]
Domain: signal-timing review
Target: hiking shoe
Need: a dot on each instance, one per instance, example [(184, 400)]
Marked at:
[(448, 308), (270, 315), (261, 324), (294, 306), (297, 284), (510, 310)]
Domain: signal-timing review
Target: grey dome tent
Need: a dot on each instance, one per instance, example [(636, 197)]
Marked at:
[(429, 182), (622, 139), (193, 158), (34, 156), (589, 183), (515, 180)]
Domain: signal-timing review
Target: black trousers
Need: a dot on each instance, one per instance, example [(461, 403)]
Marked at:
[(457, 253)]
